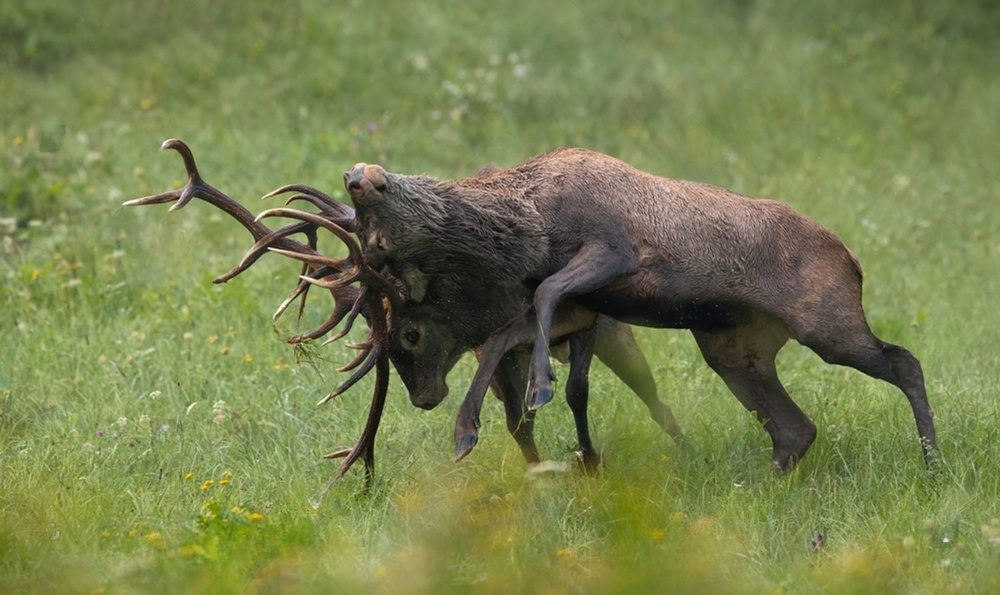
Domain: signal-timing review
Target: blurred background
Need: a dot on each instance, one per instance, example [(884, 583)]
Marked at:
[(878, 119)]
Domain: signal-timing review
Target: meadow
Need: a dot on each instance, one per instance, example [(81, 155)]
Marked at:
[(158, 436)]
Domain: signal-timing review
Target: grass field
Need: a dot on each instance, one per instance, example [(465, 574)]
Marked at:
[(157, 436)]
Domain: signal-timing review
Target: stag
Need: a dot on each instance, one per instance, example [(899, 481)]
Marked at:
[(744, 275), (426, 339)]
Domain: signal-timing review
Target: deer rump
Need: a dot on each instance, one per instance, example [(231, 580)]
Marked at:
[(582, 228)]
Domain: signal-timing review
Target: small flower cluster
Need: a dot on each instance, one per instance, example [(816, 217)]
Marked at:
[(220, 522)]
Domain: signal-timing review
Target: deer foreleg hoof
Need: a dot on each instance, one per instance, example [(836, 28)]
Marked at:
[(542, 395), (464, 445)]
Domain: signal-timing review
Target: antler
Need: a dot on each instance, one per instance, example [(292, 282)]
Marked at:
[(374, 292), (196, 187), (375, 297)]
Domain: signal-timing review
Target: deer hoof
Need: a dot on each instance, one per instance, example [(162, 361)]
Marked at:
[(541, 396), (464, 445)]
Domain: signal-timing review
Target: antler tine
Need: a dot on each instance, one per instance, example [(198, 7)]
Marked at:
[(358, 359), (312, 240), (369, 362), (264, 243), (365, 446), (335, 318), (300, 290), (303, 288), (181, 195), (342, 214), (361, 271), (340, 310), (319, 260), (353, 248), (197, 187), (335, 215)]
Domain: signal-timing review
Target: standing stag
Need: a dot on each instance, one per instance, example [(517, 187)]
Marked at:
[(743, 274)]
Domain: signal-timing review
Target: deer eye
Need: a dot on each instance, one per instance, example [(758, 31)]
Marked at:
[(412, 336)]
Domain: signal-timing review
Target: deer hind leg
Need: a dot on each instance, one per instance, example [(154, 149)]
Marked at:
[(509, 383), (744, 358), (592, 267), (581, 353), (841, 336), (616, 347)]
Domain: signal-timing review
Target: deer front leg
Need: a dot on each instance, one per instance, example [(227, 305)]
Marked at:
[(568, 319), (520, 330), (592, 267)]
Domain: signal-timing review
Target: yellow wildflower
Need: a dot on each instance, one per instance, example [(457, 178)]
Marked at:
[(189, 476), (566, 554), (247, 357), (657, 534), (188, 550), (256, 516), (207, 484)]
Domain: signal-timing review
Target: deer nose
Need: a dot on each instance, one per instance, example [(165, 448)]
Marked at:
[(356, 182)]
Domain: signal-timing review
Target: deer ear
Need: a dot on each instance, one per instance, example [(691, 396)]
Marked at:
[(376, 175)]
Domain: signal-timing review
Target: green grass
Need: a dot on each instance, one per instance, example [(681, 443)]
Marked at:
[(127, 380)]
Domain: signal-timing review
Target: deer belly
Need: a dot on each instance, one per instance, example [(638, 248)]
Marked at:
[(653, 311)]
